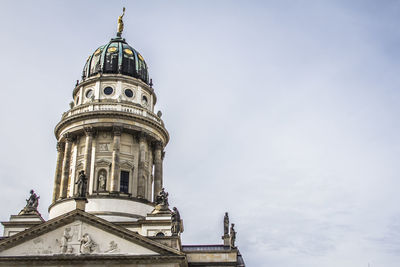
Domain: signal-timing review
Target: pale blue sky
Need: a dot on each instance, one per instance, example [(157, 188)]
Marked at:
[(284, 113)]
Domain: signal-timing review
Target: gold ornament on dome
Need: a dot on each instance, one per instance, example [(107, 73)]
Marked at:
[(97, 52), (140, 56), (112, 49), (128, 51)]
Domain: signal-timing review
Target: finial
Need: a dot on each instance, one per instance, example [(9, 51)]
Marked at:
[(151, 83), (121, 23)]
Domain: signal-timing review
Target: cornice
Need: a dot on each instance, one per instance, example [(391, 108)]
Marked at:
[(110, 114)]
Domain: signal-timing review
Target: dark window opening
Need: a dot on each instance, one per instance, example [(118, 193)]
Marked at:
[(124, 184), (108, 90)]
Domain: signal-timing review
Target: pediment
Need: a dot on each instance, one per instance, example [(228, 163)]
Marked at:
[(126, 164), (103, 163), (80, 233)]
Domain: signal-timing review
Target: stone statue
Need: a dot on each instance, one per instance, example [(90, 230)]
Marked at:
[(226, 224), (121, 23), (233, 235), (162, 198), (31, 204), (81, 185), (176, 222), (87, 244), (102, 183)]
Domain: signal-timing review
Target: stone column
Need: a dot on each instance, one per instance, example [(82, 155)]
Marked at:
[(65, 165), (88, 150), (142, 165), (115, 168), (57, 175), (158, 169)]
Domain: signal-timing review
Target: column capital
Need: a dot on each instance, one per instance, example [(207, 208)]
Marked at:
[(158, 144), (117, 130), (60, 146), (68, 137), (89, 131), (143, 136)]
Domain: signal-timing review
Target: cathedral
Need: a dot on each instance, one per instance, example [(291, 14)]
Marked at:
[(109, 206)]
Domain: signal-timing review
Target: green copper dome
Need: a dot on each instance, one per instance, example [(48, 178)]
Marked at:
[(116, 57)]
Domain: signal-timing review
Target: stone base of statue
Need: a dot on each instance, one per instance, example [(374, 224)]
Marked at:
[(29, 211), (80, 203), (161, 209), (227, 240)]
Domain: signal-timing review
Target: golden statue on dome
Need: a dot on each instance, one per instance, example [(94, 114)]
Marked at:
[(121, 23)]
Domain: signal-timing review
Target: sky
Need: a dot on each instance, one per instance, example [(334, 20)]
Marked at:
[(283, 113)]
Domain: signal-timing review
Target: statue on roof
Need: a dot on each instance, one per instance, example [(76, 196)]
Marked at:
[(120, 23), (226, 224), (162, 198), (233, 235), (31, 204), (176, 222)]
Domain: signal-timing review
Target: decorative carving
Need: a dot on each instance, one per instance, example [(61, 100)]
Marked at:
[(31, 204), (176, 222), (65, 239), (60, 146), (89, 131), (68, 137), (103, 147), (113, 248), (87, 244), (102, 180), (159, 114), (233, 235), (117, 130), (226, 224), (81, 185)]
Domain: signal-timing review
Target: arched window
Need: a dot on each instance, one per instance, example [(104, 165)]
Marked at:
[(160, 234)]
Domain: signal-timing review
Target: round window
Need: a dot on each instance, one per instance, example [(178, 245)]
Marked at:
[(108, 90), (129, 93), (144, 100), (89, 93)]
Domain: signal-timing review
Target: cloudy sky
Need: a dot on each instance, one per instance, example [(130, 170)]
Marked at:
[(284, 113)]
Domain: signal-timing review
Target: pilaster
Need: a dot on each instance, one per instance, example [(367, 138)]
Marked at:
[(65, 165), (142, 165)]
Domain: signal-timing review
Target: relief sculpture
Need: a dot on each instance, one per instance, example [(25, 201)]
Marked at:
[(87, 244), (65, 247), (113, 248)]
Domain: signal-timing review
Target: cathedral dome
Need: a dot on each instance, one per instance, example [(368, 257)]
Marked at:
[(116, 57)]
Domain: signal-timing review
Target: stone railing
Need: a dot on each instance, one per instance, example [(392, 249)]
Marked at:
[(119, 107)]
